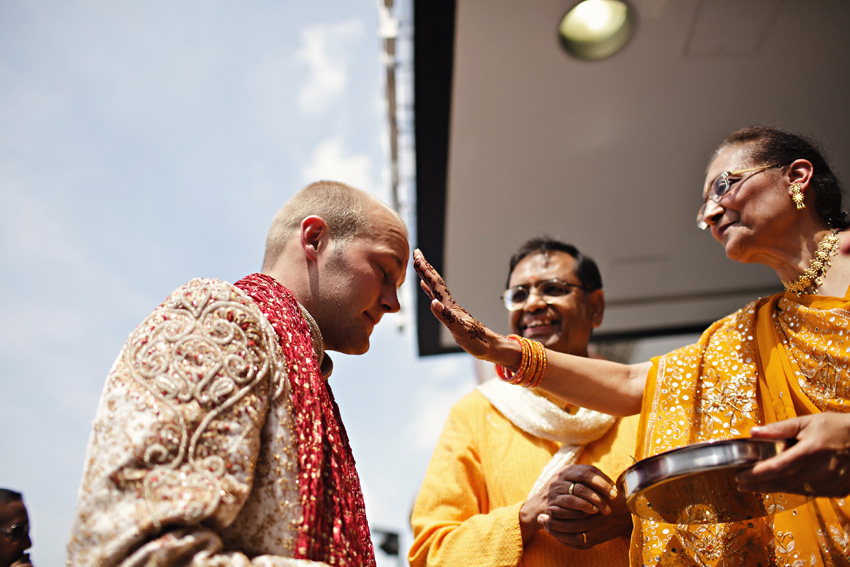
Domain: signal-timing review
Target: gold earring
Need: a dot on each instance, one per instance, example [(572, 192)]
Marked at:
[(797, 195)]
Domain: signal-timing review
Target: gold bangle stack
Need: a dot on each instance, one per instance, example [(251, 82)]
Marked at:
[(531, 368)]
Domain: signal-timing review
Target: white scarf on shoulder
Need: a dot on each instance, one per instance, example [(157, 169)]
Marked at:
[(539, 417)]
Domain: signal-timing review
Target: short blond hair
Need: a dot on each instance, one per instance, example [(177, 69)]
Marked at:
[(341, 206)]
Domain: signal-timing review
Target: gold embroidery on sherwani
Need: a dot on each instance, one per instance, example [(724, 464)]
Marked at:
[(199, 371), (197, 399)]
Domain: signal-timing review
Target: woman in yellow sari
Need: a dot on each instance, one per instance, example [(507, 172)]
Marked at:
[(779, 367)]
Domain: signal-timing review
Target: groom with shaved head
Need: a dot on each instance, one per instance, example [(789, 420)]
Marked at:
[(217, 440)]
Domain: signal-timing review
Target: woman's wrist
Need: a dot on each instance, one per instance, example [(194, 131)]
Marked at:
[(507, 352)]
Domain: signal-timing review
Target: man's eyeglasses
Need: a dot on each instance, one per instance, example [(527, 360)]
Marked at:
[(16, 532), (722, 184), (549, 291)]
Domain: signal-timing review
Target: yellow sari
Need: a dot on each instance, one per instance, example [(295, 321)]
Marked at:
[(777, 358)]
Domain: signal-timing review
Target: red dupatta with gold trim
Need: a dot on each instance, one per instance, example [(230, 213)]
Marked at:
[(334, 528)]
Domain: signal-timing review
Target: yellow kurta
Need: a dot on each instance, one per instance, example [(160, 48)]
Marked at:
[(776, 358), (467, 511)]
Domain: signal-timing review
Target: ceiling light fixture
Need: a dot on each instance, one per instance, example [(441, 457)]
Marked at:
[(596, 29)]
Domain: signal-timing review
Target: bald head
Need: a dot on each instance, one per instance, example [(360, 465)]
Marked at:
[(344, 209), (342, 253)]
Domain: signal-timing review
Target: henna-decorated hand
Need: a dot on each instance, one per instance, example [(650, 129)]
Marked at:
[(467, 331)]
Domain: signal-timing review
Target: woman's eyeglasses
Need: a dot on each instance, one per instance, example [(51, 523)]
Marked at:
[(722, 184), (548, 291), (16, 532)]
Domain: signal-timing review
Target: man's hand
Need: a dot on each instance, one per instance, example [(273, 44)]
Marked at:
[(584, 508), (562, 484), (818, 464)]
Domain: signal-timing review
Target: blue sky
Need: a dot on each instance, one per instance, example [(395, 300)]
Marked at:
[(147, 143)]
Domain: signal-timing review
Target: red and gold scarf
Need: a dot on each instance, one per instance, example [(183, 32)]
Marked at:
[(334, 529)]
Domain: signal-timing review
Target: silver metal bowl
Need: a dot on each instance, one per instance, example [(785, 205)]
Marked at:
[(696, 484)]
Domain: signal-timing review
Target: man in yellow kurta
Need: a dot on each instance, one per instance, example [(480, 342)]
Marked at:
[(506, 452)]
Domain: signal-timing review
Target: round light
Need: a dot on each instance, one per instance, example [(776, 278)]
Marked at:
[(596, 29)]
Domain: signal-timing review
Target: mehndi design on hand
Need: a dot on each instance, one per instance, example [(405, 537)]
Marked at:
[(428, 280), (451, 313)]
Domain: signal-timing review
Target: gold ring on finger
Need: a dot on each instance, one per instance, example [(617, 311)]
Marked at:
[(584, 537), (570, 491)]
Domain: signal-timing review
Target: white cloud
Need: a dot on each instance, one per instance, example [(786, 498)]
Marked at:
[(330, 161), (325, 52)]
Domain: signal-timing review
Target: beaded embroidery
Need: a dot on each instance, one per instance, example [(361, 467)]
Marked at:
[(710, 390), (193, 410)]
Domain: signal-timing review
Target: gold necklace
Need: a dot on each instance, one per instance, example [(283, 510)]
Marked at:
[(810, 280)]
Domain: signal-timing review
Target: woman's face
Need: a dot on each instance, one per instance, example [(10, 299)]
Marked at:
[(757, 212)]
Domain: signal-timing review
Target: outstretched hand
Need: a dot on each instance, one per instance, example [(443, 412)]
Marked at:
[(467, 331), (818, 464)]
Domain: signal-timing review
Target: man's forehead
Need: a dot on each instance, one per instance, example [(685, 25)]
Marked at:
[(391, 242), (546, 260), (13, 511)]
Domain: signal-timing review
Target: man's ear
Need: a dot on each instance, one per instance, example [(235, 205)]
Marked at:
[(597, 306), (315, 236)]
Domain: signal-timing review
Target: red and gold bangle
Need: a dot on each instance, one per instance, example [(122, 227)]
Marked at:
[(532, 365), (527, 356), (507, 374), (534, 380), (533, 362)]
